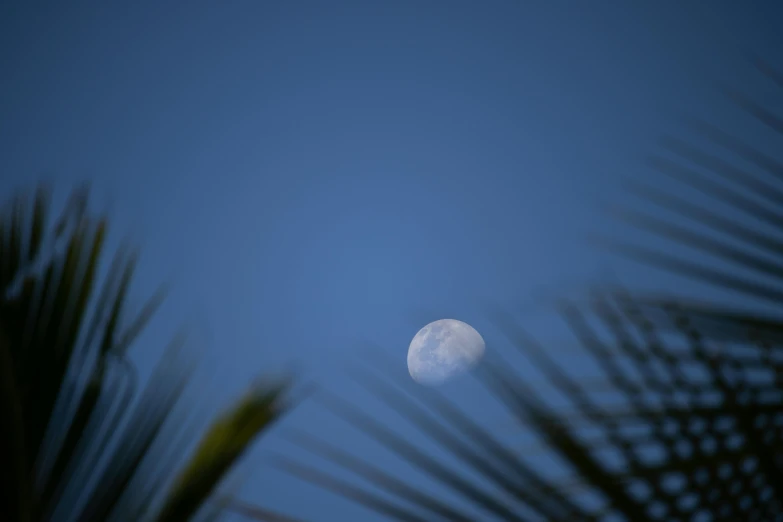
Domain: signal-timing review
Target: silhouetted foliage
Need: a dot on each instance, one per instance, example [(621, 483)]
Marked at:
[(689, 422), (79, 441)]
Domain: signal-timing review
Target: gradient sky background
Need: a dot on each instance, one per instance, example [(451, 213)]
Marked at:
[(310, 176)]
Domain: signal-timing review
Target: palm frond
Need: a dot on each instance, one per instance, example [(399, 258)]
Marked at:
[(223, 444), (746, 236), (679, 433), (80, 438), (689, 424), (253, 512)]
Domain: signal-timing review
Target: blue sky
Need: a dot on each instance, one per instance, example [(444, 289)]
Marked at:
[(312, 176)]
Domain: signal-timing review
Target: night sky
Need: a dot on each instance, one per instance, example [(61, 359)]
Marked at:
[(312, 178)]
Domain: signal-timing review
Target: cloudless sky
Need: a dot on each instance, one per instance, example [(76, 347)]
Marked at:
[(313, 175)]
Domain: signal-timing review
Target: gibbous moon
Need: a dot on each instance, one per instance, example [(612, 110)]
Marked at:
[(442, 350)]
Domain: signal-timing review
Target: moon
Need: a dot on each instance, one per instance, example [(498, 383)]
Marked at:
[(442, 350)]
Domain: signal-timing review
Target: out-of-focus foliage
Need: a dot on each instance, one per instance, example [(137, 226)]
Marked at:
[(225, 442), (688, 424), (79, 441)]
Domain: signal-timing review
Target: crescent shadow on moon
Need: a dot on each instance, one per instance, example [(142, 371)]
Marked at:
[(443, 350)]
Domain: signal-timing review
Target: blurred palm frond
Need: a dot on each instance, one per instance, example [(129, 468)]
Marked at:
[(80, 441), (692, 428)]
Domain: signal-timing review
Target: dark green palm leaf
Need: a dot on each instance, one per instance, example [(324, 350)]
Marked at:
[(225, 442), (78, 444)]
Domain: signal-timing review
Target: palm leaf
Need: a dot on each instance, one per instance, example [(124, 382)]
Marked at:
[(225, 442), (714, 432), (746, 237), (251, 512), (81, 439), (689, 422)]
